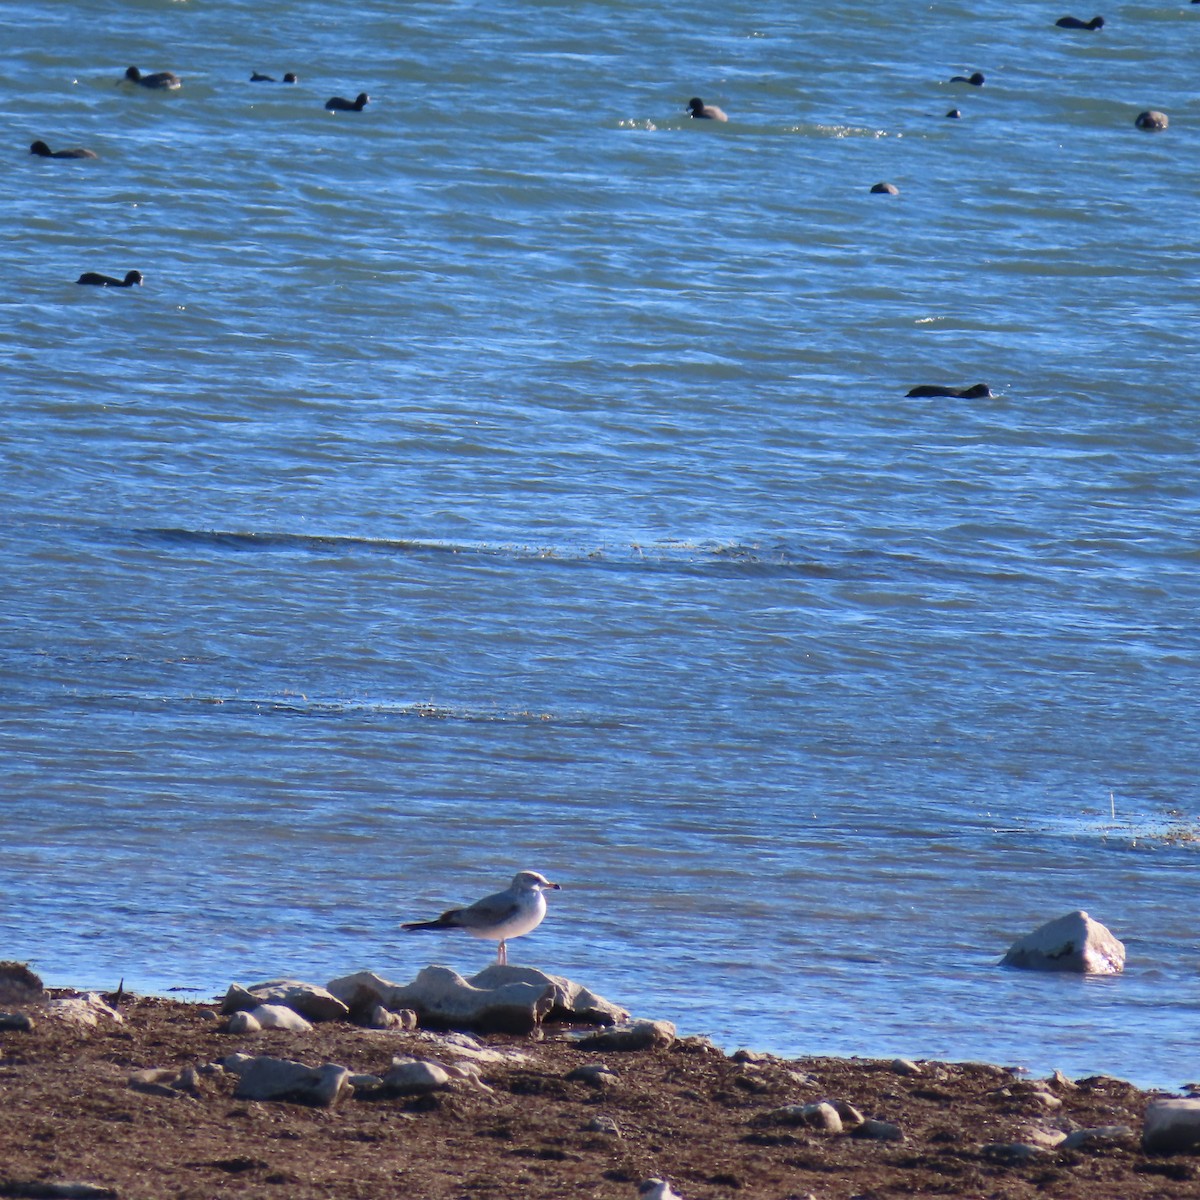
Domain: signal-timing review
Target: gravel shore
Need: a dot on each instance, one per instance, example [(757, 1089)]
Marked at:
[(136, 1109)]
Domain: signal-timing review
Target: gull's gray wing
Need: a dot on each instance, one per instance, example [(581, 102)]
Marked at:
[(491, 910)]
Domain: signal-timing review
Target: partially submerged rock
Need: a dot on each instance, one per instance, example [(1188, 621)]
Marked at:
[(498, 999), (1071, 943)]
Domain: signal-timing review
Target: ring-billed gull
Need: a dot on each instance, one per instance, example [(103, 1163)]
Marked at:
[(508, 914)]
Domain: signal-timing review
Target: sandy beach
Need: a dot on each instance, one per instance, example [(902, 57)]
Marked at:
[(137, 1109)]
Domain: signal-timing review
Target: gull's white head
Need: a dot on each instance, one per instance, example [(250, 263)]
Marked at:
[(531, 881)]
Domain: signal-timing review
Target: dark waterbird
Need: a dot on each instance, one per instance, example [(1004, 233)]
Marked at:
[(44, 151), (338, 104), (163, 81), (290, 77), (132, 279), (705, 112), (980, 391), (1076, 23), (975, 80)]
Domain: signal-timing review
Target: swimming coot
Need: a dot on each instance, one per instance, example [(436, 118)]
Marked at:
[(290, 77), (163, 81), (1076, 23), (885, 189), (705, 112), (975, 80), (337, 104), (44, 151), (131, 279), (979, 392)]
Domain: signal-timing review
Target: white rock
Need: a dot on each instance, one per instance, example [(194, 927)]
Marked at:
[(84, 1011), (1049, 1138), (571, 1001), (315, 1003), (850, 1115), (156, 1081), (441, 996), (1071, 943), (905, 1066), (265, 1078), (821, 1115), (381, 1018), (632, 1035), (751, 1056), (468, 1073), (279, 1016), (415, 1077), (595, 1075), (1060, 1081), (1172, 1125), (463, 1045), (879, 1131), (1098, 1136), (243, 1022), (503, 998)]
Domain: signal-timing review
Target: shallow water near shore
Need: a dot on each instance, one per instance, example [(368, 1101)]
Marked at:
[(518, 474)]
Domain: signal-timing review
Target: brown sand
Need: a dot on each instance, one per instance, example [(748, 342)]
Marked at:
[(689, 1114)]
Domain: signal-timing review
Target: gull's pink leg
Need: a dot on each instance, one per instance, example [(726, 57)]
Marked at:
[(502, 954)]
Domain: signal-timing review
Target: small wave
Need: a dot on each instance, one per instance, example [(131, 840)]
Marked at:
[(669, 553)]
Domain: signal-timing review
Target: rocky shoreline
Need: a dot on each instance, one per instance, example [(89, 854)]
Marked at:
[(136, 1098)]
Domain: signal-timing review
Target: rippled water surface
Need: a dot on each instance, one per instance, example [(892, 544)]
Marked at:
[(520, 474)]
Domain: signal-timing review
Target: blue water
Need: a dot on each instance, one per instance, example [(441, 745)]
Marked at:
[(519, 474)]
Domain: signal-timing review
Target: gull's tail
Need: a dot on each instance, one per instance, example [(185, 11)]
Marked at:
[(446, 921)]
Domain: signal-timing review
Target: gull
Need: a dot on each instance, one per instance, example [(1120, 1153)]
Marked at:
[(508, 914), (657, 1189)]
